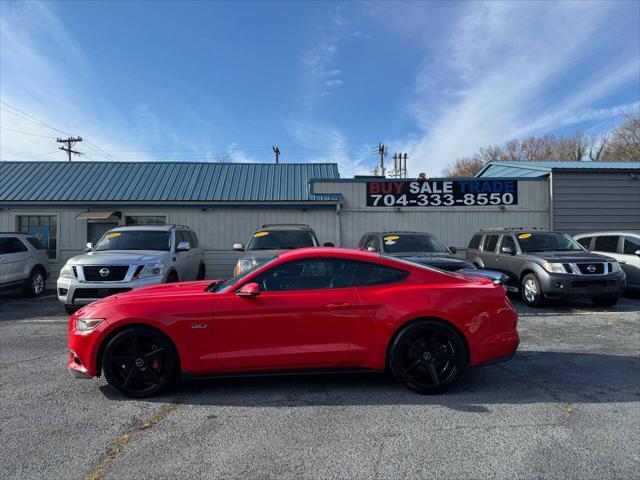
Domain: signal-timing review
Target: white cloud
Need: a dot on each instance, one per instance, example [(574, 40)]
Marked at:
[(501, 64)]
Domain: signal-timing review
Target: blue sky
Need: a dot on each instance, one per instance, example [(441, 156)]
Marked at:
[(325, 81)]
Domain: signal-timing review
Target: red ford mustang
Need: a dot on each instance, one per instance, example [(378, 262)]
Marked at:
[(307, 309)]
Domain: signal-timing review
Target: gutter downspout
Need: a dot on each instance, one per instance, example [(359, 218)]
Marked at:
[(338, 226), (551, 206)]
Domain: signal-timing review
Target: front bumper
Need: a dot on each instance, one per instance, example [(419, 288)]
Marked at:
[(72, 291), (584, 286)]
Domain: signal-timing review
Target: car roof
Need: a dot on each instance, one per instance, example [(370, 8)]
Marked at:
[(400, 232), (284, 226), (606, 232), (153, 228), (345, 253)]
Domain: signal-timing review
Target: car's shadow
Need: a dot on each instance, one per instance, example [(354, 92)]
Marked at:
[(530, 377)]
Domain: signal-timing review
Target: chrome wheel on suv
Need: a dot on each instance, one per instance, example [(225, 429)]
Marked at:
[(35, 284), (531, 291)]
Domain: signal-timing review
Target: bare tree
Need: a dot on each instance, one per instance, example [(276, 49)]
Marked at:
[(624, 142)]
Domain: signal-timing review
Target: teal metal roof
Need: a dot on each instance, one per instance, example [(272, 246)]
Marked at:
[(162, 181), (542, 169)]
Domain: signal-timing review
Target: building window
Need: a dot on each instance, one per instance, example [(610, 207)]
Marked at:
[(44, 228), (146, 220)]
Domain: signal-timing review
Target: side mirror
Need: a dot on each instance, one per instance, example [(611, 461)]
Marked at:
[(637, 252), (454, 250), (238, 247), (507, 250), (328, 244), (249, 290), (89, 246), (183, 246)]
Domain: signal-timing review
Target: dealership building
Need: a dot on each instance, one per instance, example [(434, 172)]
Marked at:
[(68, 204)]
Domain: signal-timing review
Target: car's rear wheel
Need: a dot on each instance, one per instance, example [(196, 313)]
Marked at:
[(34, 286), (139, 362), (427, 357), (201, 272), (605, 301), (531, 291)]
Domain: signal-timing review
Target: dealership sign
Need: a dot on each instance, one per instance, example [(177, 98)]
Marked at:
[(442, 193)]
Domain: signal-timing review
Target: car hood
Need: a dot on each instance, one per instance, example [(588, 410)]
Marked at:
[(165, 290), (118, 257), (262, 254), (444, 261), (570, 257)]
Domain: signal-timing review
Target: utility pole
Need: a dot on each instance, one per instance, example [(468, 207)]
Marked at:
[(276, 150), (71, 141), (382, 151)]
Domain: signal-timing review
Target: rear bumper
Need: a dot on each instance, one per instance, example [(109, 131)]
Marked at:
[(565, 286), (504, 358)]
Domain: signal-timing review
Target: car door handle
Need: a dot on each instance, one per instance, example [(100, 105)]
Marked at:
[(334, 306)]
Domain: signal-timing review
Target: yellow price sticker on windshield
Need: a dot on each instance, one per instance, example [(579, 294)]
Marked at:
[(392, 237), (113, 235), (261, 234), (524, 235)]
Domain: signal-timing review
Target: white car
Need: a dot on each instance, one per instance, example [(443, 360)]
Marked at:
[(623, 246), (23, 263), (130, 257)]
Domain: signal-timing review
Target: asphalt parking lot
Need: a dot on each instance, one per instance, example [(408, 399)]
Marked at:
[(566, 406)]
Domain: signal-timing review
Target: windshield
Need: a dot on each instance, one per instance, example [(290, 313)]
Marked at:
[(135, 240), (224, 286), (547, 242), (281, 240), (403, 243)]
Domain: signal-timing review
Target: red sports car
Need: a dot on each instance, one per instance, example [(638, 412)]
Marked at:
[(307, 309)]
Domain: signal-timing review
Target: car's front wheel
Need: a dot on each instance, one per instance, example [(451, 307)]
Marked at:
[(531, 291), (427, 356), (605, 301), (139, 362), (34, 286)]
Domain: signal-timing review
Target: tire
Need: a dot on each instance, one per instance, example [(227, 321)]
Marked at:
[(427, 357), (71, 309), (34, 286), (172, 277), (201, 272), (139, 362), (530, 291), (605, 301)]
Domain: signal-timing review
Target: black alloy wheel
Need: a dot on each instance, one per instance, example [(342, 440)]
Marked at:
[(139, 362), (427, 357)]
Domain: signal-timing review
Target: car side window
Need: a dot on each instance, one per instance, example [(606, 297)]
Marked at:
[(181, 237), (585, 242), (490, 243), (11, 245), (310, 274), (374, 242), (606, 243), (507, 241), (474, 244), (631, 245), (370, 274), (193, 239)]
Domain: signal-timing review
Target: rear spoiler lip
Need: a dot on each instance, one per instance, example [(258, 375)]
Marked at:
[(497, 278)]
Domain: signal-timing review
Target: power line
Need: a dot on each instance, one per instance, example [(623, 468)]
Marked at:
[(25, 133), (71, 141)]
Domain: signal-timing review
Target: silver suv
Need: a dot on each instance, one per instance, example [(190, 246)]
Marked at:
[(23, 263), (131, 257)]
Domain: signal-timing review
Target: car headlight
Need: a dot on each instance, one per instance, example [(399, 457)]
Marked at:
[(152, 270), (67, 271), (554, 267), (245, 264), (615, 267), (87, 324)]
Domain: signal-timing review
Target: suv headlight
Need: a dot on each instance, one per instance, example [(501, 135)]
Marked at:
[(67, 271), (152, 270), (87, 324), (615, 267), (554, 267), (245, 264)]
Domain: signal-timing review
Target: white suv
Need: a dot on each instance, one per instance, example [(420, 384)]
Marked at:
[(131, 257), (23, 263)]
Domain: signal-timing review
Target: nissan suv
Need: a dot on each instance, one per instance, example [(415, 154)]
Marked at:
[(130, 257), (23, 263), (422, 248), (268, 240), (545, 265)]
